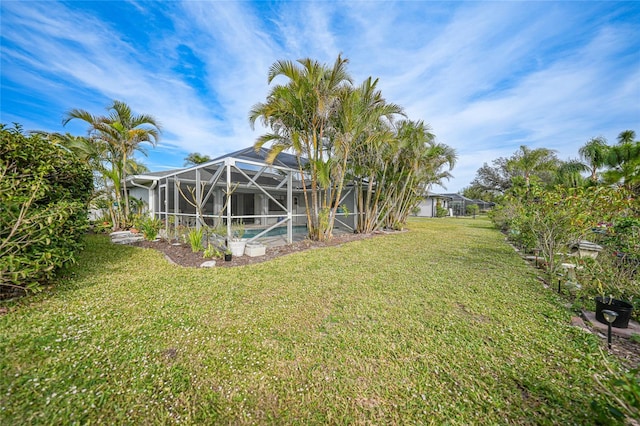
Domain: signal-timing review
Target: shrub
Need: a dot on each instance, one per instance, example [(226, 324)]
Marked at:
[(44, 194), (615, 271), (102, 225), (149, 226), (623, 395), (472, 210), (212, 251)]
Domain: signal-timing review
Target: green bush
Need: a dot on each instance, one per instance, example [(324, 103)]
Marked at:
[(441, 211), (555, 219), (150, 227), (44, 193), (472, 210)]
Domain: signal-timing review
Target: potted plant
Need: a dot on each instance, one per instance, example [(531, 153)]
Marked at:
[(237, 244), (617, 305), (228, 255), (622, 308), (612, 282)]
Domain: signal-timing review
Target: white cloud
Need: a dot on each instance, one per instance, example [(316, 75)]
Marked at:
[(488, 77)]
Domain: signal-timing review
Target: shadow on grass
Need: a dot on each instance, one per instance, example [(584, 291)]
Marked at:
[(98, 255)]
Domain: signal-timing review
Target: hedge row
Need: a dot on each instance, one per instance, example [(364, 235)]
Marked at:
[(44, 194)]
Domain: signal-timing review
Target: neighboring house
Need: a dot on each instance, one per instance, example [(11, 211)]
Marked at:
[(484, 205), (236, 187), (459, 203), (427, 207), (455, 204)]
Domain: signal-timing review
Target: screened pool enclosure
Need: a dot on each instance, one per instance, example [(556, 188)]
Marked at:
[(240, 187)]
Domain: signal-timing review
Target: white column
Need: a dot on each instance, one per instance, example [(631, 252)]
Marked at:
[(198, 200), (227, 163), (290, 207)]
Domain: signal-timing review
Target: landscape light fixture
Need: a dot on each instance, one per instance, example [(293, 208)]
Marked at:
[(610, 317)]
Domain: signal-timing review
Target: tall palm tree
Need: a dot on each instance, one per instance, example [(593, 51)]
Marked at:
[(415, 162), (594, 153), (122, 133), (371, 162), (299, 114), (359, 122)]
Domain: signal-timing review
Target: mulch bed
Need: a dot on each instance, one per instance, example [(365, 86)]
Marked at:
[(183, 256)]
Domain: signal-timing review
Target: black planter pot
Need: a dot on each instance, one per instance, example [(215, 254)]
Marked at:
[(623, 309), (227, 257)]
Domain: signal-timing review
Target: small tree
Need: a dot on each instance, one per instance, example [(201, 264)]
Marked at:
[(472, 210)]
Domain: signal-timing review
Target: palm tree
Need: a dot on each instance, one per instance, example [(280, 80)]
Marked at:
[(624, 162), (595, 153), (359, 122), (120, 134), (419, 163), (569, 174), (626, 136), (196, 158), (368, 169), (82, 147), (299, 114), (529, 162)]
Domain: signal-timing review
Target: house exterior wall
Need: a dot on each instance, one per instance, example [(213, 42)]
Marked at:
[(427, 207), (141, 194)]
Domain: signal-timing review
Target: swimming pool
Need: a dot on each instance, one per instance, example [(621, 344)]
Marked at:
[(280, 230)]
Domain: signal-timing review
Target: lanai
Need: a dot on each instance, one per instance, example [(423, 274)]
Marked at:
[(237, 187)]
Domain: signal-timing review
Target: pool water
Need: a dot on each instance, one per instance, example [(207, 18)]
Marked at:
[(280, 230)]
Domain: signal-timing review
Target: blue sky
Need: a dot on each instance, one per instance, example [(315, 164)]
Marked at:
[(487, 76)]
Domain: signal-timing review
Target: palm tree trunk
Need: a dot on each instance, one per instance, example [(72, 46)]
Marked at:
[(337, 195), (124, 188)]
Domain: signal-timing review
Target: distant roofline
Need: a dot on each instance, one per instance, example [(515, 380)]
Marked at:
[(283, 160)]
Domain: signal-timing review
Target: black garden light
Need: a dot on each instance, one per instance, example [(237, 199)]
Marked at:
[(610, 317)]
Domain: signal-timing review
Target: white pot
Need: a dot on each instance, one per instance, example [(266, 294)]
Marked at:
[(237, 247)]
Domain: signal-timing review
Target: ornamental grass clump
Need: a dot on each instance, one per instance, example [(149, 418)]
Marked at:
[(195, 239)]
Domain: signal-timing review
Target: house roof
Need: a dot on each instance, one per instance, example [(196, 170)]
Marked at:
[(250, 154), (434, 195), (458, 197), (283, 160)]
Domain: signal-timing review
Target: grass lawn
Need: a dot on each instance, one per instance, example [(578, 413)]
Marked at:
[(443, 324)]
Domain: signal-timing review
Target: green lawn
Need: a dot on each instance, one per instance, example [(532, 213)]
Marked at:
[(443, 324)]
